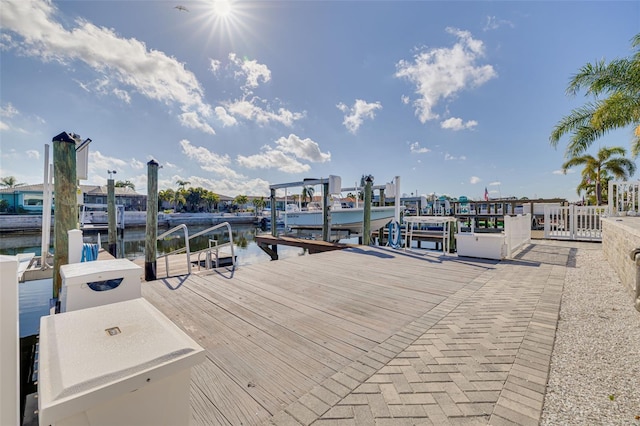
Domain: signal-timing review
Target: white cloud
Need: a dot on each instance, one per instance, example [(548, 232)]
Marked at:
[(456, 124), (100, 163), (214, 65), (355, 115), (32, 153), (249, 106), (474, 179), (122, 95), (449, 157), (8, 110), (563, 172), (248, 110), (495, 183), (136, 164), (494, 23), (128, 62), (285, 155), (305, 149), (441, 73), (227, 120), (415, 148), (209, 161), (195, 121), (252, 71), (271, 158)]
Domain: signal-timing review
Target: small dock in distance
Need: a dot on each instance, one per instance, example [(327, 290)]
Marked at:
[(269, 244)]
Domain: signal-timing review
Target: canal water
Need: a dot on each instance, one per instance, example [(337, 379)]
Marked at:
[(132, 243)]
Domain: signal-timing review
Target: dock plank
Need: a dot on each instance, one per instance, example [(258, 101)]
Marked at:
[(276, 330), (266, 378)]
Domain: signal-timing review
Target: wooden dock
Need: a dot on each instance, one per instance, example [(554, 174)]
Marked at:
[(269, 244), (370, 334), (275, 331)]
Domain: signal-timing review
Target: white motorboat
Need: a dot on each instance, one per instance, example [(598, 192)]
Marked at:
[(350, 219)]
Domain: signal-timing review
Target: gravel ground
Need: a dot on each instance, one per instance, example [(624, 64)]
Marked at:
[(595, 366)]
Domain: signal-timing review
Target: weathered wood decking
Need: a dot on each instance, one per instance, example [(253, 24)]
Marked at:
[(276, 330), (269, 244)]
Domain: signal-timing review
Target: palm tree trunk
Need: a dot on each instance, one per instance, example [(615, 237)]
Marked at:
[(598, 188)]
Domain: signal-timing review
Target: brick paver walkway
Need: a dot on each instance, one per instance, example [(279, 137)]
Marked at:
[(480, 357)]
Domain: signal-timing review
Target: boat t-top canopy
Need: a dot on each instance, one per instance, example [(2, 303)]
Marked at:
[(333, 181)]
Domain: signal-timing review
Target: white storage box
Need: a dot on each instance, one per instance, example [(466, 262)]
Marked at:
[(486, 246), (119, 364), (89, 284)]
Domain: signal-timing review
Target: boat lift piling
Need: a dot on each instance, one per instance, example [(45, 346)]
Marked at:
[(366, 221), (65, 186), (150, 242), (111, 217)]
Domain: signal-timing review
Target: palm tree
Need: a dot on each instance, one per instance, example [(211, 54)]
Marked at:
[(241, 200), (212, 199), (125, 184), (259, 204), (182, 183), (10, 182), (194, 196), (607, 163), (307, 192), (619, 81), (167, 195)]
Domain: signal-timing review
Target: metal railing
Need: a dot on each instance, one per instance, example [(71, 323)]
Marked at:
[(184, 249), (215, 247)]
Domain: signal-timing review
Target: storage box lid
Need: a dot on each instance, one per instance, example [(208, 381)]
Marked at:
[(92, 355), (75, 270)]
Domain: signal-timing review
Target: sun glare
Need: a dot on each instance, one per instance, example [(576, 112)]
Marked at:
[(223, 8), (225, 22)]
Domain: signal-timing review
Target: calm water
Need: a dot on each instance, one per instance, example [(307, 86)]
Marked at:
[(132, 245)]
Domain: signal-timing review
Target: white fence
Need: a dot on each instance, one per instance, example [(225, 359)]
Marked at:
[(517, 232), (624, 198), (574, 222)]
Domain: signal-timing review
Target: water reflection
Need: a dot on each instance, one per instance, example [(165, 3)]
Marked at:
[(133, 243)]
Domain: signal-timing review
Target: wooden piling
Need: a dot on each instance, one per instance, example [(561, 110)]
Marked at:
[(150, 244), (66, 204), (111, 217)]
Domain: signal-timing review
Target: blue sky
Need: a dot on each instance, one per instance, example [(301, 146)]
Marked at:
[(453, 97)]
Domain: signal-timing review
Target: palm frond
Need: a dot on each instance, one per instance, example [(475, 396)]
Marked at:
[(579, 117)]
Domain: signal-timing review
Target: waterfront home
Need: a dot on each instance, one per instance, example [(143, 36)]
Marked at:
[(29, 198)]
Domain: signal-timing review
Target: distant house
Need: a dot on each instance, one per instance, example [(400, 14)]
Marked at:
[(29, 198)]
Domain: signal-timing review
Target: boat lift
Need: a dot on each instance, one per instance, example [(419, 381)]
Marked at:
[(332, 185)]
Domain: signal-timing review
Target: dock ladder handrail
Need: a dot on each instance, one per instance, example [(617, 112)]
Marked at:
[(216, 247), (180, 250)]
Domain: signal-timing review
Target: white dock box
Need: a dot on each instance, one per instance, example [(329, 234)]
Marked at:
[(119, 364), (89, 284), (486, 246)]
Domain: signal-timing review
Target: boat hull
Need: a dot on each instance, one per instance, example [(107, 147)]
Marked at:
[(344, 219)]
